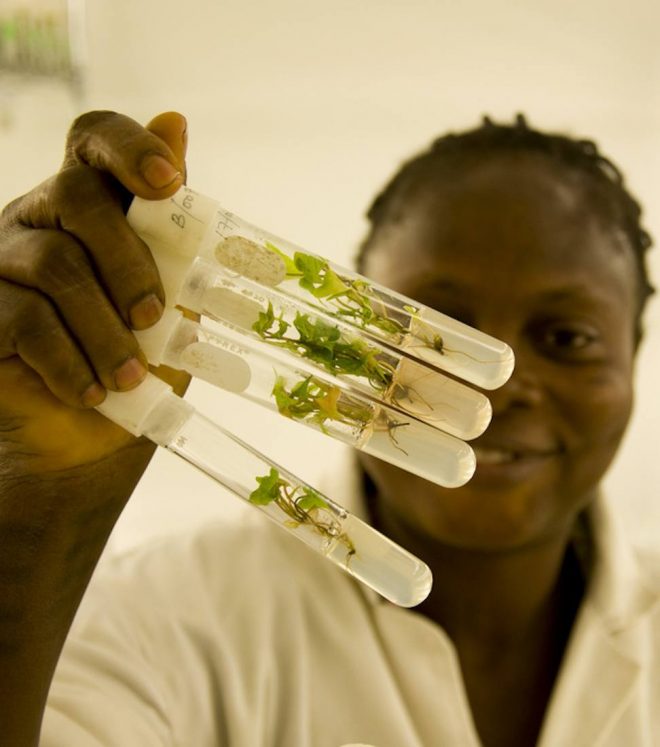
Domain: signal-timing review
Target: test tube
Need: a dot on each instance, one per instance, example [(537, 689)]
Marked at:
[(319, 401), (190, 224), (331, 346), (153, 410)]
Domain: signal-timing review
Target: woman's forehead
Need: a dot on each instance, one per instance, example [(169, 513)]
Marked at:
[(531, 184), (525, 228)]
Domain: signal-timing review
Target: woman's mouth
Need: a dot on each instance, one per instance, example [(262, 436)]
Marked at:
[(507, 462), (494, 456)]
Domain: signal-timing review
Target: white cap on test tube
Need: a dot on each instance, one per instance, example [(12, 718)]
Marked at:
[(180, 222), (175, 229), (151, 409), (155, 340)]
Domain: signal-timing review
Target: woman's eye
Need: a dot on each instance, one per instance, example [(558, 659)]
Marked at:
[(569, 341), (569, 338)]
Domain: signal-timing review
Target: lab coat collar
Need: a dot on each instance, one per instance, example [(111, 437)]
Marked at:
[(608, 644), (591, 704), (620, 589)]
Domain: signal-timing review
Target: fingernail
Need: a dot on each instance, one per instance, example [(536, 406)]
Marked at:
[(158, 172), (146, 312), (93, 395), (130, 374)]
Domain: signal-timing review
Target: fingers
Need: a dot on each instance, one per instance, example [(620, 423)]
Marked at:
[(54, 264), (81, 203), (30, 328), (74, 277), (172, 128), (140, 160)]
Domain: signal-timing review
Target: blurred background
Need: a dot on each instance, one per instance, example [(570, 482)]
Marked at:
[(299, 110)]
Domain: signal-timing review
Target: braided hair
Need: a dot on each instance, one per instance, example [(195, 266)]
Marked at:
[(609, 189)]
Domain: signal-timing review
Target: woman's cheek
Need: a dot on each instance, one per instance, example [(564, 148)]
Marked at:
[(596, 414)]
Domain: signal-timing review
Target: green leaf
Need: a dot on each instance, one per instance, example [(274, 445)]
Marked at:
[(332, 286), (289, 265), (317, 277), (304, 326), (391, 326), (311, 499), (301, 389), (269, 325), (319, 334), (268, 490), (282, 398), (310, 266), (327, 403), (264, 321), (299, 402)]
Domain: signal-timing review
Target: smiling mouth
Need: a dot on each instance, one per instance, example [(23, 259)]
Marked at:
[(494, 456)]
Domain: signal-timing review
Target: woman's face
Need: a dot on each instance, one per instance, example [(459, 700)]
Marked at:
[(512, 248)]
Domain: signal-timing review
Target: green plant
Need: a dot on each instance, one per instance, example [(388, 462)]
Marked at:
[(316, 401), (351, 297), (325, 345), (303, 505)]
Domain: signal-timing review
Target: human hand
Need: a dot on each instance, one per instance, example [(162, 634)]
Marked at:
[(74, 280)]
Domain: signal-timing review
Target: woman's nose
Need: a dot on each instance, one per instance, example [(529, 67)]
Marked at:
[(523, 389)]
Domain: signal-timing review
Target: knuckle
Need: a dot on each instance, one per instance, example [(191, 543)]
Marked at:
[(133, 276), (78, 194), (33, 315), (10, 212), (70, 374), (40, 338), (60, 268), (83, 125), (63, 190), (72, 185)]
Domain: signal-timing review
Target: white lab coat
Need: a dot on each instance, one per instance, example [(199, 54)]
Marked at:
[(239, 635)]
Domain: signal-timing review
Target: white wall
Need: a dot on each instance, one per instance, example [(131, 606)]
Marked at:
[(299, 109)]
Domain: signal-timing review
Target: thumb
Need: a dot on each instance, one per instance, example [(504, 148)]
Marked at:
[(172, 127)]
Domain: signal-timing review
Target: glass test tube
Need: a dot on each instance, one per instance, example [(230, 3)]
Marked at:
[(193, 224), (291, 503), (411, 386), (324, 526), (382, 314), (319, 401)]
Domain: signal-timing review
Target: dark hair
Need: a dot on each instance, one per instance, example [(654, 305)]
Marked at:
[(465, 148)]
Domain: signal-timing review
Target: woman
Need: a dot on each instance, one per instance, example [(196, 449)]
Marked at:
[(533, 239), (542, 626)]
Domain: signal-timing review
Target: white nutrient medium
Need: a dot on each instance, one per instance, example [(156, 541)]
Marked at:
[(216, 366), (419, 448), (250, 260), (439, 400), (384, 566), (228, 306)]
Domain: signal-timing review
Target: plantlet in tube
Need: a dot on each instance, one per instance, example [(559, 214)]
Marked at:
[(303, 505), (351, 297), (384, 423), (316, 401), (407, 396), (437, 343), (324, 344)]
